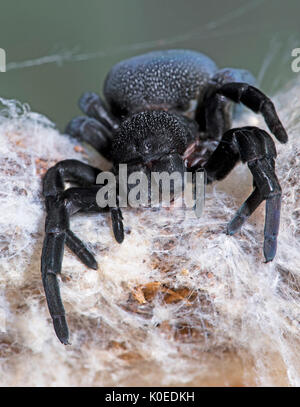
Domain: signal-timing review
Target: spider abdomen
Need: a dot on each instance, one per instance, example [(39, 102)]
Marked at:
[(158, 80)]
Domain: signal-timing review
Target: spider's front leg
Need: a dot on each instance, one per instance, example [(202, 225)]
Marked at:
[(60, 206), (256, 147)]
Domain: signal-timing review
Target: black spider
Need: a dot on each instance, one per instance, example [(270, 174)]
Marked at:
[(146, 125)]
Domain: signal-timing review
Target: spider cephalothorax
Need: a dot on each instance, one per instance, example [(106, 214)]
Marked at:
[(167, 111), (154, 140)]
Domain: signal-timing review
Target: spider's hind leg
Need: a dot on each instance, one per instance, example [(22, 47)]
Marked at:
[(214, 114), (258, 102), (97, 128), (92, 105)]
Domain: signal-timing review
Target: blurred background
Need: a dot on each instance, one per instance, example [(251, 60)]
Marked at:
[(58, 49)]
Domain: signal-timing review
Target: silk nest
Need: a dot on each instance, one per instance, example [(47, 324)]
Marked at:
[(178, 303)]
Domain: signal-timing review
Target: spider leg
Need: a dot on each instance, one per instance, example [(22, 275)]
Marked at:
[(84, 175), (79, 248), (67, 204), (58, 233), (97, 128), (92, 132), (258, 102), (256, 147), (53, 187), (60, 205), (217, 116), (117, 224), (248, 207), (214, 113), (92, 105)]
